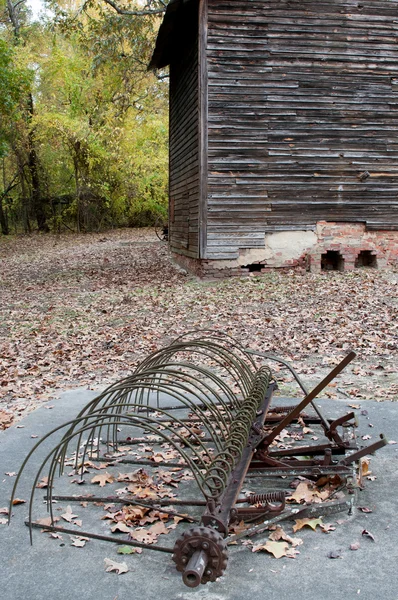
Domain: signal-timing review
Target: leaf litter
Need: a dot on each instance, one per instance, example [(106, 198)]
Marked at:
[(136, 303), (85, 309)]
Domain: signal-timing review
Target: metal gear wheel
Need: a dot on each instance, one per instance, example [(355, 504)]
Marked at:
[(201, 553)]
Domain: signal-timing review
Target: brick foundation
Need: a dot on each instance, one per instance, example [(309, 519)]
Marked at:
[(346, 239), (349, 239)]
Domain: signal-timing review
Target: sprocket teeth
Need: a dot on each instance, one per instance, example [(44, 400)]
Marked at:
[(216, 550)]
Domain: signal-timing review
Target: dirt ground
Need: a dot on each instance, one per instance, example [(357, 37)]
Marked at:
[(83, 310)]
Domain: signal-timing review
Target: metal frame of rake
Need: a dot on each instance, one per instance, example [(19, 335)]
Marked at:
[(218, 381)]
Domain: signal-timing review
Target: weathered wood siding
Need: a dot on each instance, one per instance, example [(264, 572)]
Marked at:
[(184, 152), (303, 117)]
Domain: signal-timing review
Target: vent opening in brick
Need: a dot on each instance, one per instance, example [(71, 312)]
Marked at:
[(332, 261), (366, 259), (256, 267)]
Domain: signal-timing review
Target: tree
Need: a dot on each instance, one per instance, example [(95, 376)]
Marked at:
[(14, 86), (87, 145)]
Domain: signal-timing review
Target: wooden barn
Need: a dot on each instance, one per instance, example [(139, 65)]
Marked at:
[(283, 133)]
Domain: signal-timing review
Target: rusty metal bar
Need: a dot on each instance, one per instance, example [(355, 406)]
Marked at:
[(96, 536), (304, 403)]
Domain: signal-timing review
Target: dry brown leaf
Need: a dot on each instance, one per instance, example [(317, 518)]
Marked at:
[(277, 549), (307, 493), (141, 492), (6, 419), (143, 536), (313, 523), (364, 466), (68, 515), (367, 533), (17, 501), (103, 479), (43, 483), (79, 542), (112, 565), (327, 527), (47, 521), (280, 534), (3, 521), (159, 528), (121, 527)]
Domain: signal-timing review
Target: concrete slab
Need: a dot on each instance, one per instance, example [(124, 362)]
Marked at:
[(52, 569)]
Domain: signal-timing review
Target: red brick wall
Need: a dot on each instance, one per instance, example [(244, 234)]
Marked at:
[(348, 239)]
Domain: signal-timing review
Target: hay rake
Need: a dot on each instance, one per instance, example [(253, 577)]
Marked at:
[(205, 401)]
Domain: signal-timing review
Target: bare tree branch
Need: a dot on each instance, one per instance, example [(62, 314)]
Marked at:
[(135, 13)]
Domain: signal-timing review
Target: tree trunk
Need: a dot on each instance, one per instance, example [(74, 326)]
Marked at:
[(3, 220), (37, 200)]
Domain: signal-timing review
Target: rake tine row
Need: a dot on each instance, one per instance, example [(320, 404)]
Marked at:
[(207, 402)]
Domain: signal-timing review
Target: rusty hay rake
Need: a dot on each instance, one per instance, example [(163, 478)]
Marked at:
[(204, 405)]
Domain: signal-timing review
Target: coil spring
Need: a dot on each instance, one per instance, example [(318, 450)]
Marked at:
[(216, 477), (268, 498)]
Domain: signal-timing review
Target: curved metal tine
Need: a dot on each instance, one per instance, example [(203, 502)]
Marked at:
[(111, 389), (238, 370), (227, 360), (194, 343), (282, 362), (53, 465), (175, 371), (214, 334), (145, 423), (165, 425), (190, 385), (238, 373), (179, 392), (124, 391)]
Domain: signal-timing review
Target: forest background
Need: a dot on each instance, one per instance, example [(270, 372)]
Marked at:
[(83, 124)]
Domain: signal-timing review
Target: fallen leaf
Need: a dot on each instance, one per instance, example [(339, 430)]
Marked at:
[(17, 501), (308, 493), (280, 534), (129, 550), (3, 521), (277, 549), (364, 466), (367, 533), (11, 474), (47, 521), (327, 527), (143, 536), (103, 479), (79, 542), (112, 565), (43, 483), (6, 419), (159, 528), (300, 523), (365, 509), (68, 515), (4, 511), (121, 527), (355, 546)]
